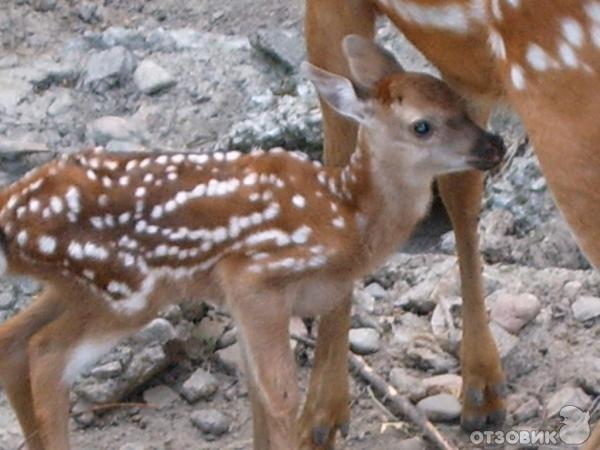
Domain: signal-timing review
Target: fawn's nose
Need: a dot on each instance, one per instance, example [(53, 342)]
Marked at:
[(487, 152)]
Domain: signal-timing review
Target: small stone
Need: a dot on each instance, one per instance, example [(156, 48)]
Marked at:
[(108, 68), (88, 12), (364, 300), (527, 411), (109, 370), (443, 384), (407, 384), (586, 308), (61, 104), (12, 93), (513, 311), (282, 45), (416, 443), (125, 37), (44, 5), (151, 78), (418, 298), (160, 396), (440, 408), (376, 290), (228, 338), (7, 300), (158, 331), (210, 421), (572, 288), (589, 375), (364, 341), (567, 396), (200, 385), (133, 446), (231, 359), (505, 341), (83, 414), (424, 353), (114, 128)]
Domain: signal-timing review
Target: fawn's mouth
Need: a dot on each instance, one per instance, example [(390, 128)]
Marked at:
[(488, 152)]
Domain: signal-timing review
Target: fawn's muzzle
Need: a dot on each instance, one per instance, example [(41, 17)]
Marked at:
[(487, 152)]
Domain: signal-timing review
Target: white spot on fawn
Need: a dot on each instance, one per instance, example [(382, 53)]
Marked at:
[(299, 201), (517, 76), (537, 58), (572, 31), (22, 237), (47, 244), (497, 44)]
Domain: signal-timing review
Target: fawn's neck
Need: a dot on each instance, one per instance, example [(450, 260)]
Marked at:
[(389, 194)]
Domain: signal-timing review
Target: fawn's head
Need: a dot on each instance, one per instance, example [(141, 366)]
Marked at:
[(412, 113)]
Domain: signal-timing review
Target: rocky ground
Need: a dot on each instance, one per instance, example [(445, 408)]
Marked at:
[(205, 75)]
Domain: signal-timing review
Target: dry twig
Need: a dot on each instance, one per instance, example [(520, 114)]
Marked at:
[(397, 404)]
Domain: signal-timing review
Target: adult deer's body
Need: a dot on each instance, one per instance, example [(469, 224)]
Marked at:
[(115, 237), (541, 57)]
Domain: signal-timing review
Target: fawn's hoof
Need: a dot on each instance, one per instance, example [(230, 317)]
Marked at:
[(483, 408)]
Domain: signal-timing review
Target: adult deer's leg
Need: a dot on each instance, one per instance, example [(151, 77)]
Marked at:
[(483, 379), (327, 22), (14, 362)]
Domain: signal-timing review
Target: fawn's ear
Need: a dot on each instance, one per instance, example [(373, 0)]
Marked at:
[(368, 61), (337, 91)]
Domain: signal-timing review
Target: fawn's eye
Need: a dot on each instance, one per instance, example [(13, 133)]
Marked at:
[(422, 128)]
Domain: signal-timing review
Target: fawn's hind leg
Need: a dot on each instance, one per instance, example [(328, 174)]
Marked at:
[(58, 352), (14, 361)]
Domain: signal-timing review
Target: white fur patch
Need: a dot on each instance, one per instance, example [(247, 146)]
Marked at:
[(451, 17), (83, 356)]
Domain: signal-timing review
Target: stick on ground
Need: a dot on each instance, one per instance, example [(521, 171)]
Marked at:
[(397, 404)]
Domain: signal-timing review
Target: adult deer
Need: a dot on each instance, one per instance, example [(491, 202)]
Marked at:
[(541, 57), (115, 237)]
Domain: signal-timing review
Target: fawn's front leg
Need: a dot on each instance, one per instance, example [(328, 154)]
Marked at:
[(483, 379), (262, 316), (327, 406)]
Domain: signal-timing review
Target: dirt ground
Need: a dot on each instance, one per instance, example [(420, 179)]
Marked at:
[(552, 352)]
